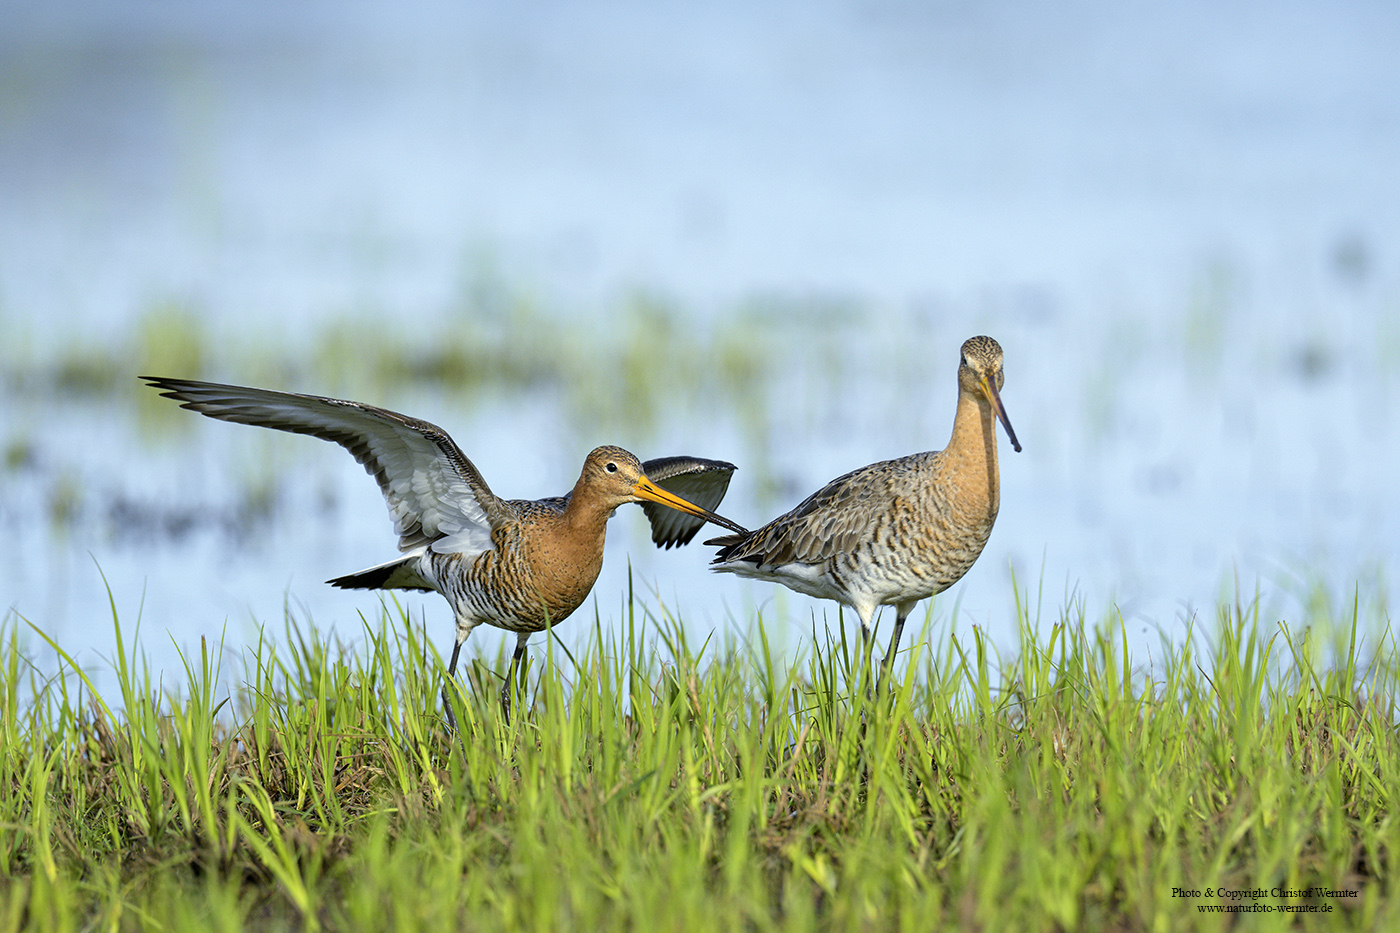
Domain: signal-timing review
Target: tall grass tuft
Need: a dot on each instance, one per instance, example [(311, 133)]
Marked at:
[(650, 783)]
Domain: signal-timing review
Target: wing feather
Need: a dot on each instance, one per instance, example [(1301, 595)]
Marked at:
[(435, 495), (701, 481)]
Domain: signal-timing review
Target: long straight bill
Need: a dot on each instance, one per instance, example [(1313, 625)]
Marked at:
[(991, 392), (646, 489)]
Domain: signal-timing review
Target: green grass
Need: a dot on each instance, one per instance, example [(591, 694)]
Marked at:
[(654, 785)]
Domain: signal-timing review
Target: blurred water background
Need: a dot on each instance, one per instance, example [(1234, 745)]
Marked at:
[(757, 232)]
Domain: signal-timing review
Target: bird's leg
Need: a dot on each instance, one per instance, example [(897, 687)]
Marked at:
[(447, 688), (902, 611), (515, 659), (867, 642), (464, 628)]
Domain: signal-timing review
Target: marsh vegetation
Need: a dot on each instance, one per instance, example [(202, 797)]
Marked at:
[(656, 783)]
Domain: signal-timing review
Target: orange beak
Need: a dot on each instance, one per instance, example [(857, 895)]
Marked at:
[(646, 489)]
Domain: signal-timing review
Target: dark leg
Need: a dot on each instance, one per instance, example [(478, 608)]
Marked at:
[(447, 686), (901, 613), (464, 628), (515, 659)]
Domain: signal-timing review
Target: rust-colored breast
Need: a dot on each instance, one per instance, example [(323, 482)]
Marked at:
[(540, 570)]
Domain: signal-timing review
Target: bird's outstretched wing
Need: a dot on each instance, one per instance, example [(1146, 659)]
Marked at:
[(701, 481), (435, 494)]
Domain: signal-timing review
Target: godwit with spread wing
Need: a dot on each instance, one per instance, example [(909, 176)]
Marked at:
[(518, 564)]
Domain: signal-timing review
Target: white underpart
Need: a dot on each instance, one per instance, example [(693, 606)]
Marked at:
[(808, 580)]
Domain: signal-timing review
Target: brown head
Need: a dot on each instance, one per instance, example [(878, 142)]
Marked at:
[(612, 477), (980, 376)]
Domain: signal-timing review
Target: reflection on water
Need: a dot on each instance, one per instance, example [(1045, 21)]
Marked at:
[(759, 237)]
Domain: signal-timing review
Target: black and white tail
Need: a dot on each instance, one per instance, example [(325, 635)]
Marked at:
[(400, 573)]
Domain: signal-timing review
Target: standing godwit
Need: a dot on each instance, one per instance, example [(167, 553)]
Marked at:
[(518, 564), (894, 532)]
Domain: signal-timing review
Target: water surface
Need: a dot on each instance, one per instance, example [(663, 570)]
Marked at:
[(757, 232)]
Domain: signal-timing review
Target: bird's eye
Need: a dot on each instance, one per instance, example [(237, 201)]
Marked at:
[(611, 467)]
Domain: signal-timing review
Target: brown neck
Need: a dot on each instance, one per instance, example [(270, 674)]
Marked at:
[(566, 560), (974, 444), (586, 516)]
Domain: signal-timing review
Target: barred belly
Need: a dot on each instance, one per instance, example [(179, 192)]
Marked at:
[(497, 588)]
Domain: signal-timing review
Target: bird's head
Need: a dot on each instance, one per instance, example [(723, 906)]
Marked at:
[(980, 376)]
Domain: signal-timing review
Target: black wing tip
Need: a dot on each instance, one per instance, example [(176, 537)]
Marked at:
[(168, 381), (681, 540), (688, 535), (174, 387)]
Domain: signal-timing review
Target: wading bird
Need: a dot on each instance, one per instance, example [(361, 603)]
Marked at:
[(894, 532), (518, 564)]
